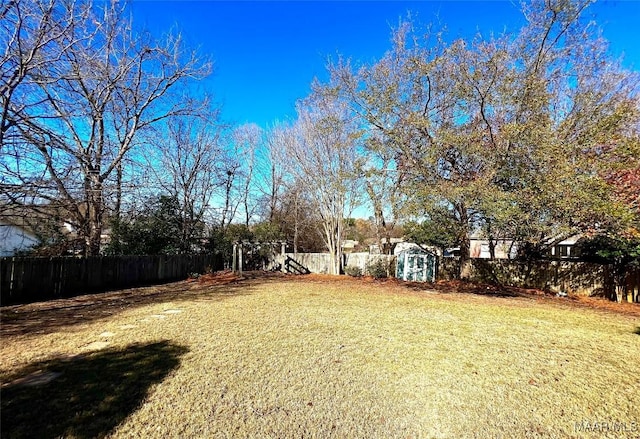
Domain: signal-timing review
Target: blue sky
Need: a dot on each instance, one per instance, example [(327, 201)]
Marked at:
[(266, 53)]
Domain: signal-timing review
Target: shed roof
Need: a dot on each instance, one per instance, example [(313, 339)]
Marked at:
[(416, 250)]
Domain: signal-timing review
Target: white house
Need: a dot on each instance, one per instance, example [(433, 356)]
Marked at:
[(565, 249), (14, 238), (480, 248)]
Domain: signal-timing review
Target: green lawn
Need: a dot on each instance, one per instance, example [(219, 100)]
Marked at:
[(317, 357)]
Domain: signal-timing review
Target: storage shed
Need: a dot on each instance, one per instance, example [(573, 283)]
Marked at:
[(417, 265)]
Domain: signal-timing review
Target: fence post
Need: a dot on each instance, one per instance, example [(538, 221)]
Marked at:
[(13, 270), (234, 257)]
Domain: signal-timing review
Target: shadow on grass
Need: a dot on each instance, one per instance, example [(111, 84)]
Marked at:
[(85, 396), (54, 315)]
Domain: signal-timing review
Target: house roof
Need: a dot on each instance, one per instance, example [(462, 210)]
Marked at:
[(25, 229), (32, 217)]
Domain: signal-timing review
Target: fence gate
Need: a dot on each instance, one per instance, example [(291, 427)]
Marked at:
[(416, 265)]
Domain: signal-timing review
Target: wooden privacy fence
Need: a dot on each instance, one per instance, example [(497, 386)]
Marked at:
[(25, 280), (580, 278), (632, 286), (365, 260), (302, 263)]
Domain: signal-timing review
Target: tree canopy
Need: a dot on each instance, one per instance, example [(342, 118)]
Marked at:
[(513, 135)]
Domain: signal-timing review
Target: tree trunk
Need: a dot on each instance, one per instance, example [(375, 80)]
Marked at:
[(339, 229), (95, 206), (492, 242), (465, 258), (296, 222), (620, 277), (465, 242), (331, 231), (94, 240), (118, 206), (94, 229), (378, 219)]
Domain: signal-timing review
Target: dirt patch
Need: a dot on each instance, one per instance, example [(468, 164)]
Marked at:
[(631, 309), (217, 278), (96, 346), (226, 277), (321, 278), (457, 286)]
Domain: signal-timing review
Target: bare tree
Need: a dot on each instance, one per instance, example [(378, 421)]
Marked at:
[(76, 116), (184, 155), (229, 175), (33, 35), (325, 165), (270, 178), (285, 203), (299, 219), (236, 170), (246, 140)]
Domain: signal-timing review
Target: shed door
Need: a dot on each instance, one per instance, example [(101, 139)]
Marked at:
[(418, 267)]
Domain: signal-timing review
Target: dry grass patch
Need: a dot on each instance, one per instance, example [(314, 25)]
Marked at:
[(339, 357)]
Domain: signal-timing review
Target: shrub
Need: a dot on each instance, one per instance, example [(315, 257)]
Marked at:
[(378, 269), (353, 271)]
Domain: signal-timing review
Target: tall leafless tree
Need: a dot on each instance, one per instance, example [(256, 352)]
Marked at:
[(246, 140), (184, 155), (87, 85), (325, 163), (32, 35), (270, 178), (236, 171)]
